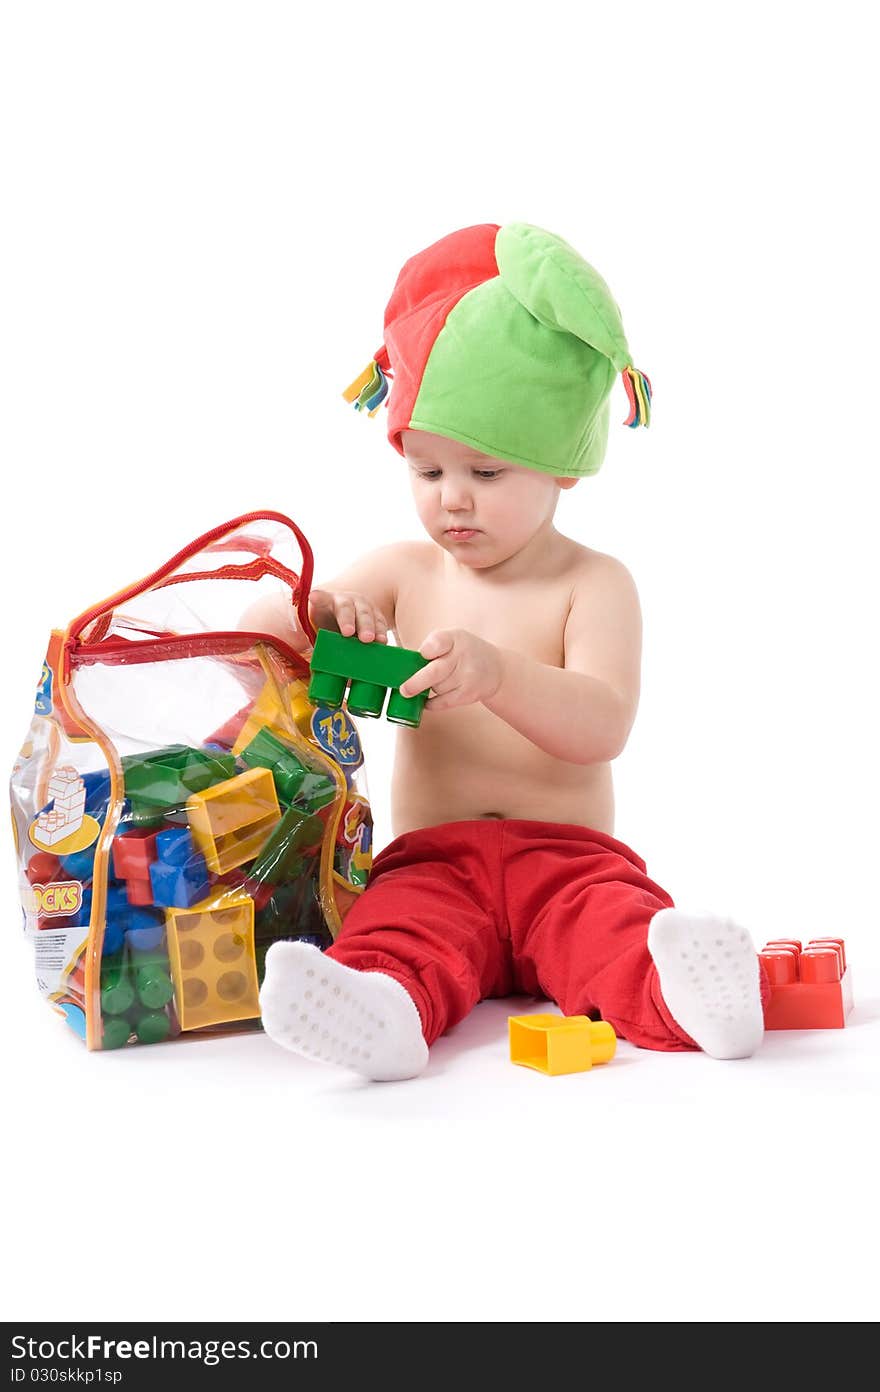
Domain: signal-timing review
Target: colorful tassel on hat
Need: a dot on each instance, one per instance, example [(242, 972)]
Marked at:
[(638, 389), (369, 389)]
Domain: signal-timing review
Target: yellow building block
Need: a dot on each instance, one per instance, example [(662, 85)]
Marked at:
[(213, 966), (269, 713), (301, 707), (232, 821), (560, 1043)]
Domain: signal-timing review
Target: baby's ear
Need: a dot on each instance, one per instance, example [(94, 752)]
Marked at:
[(567, 482)]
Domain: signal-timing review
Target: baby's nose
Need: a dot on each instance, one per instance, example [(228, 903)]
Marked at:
[(454, 496)]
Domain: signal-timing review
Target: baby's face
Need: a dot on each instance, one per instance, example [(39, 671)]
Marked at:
[(502, 505)]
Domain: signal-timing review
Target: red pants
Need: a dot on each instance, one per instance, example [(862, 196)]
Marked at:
[(466, 910)]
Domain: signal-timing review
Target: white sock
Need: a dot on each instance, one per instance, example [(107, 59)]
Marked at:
[(709, 979), (361, 1020)]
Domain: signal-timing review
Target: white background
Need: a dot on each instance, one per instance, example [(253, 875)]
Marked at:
[(204, 211)]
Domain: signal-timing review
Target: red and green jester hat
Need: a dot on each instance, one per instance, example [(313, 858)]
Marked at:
[(504, 338)]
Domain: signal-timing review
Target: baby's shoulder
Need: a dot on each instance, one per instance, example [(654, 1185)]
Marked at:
[(603, 626), (602, 594), (589, 568)]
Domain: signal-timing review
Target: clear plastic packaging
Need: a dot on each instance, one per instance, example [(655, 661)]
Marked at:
[(179, 803)]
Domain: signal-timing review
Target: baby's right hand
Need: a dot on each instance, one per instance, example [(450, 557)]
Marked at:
[(348, 613)]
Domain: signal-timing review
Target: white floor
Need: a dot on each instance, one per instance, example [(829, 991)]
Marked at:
[(227, 1179)]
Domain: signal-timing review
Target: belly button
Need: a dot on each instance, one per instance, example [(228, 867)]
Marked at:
[(492, 814)]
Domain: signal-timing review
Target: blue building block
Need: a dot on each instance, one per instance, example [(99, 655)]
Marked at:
[(144, 929), (140, 928), (114, 936), (175, 846), (97, 787), (179, 886), (145, 939), (84, 912), (180, 875), (117, 901), (80, 864)]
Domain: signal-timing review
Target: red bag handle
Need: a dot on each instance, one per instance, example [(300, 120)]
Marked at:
[(214, 540)]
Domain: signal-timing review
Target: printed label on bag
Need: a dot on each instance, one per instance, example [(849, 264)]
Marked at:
[(60, 900), (43, 703), (336, 734), (354, 856), (54, 951), (64, 826)]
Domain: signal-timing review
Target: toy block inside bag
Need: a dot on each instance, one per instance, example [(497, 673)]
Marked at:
[(179, 803)]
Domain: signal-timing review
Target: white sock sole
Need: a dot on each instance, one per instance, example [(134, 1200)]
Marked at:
[(709, 979), (317, 1007)]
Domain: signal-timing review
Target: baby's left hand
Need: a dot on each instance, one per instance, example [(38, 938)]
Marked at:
[(463, 669)]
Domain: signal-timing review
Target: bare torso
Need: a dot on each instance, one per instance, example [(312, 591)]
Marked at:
[(467, 763)]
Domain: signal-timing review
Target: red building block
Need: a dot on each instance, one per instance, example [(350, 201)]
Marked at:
[(132, 853), (810, 987), (229, 733), (138, 891), (44, 868)]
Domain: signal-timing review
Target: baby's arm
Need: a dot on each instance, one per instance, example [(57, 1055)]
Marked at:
[(583, 712), (361, 599)]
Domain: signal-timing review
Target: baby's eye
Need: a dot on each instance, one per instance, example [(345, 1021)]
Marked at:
[(480, 473)]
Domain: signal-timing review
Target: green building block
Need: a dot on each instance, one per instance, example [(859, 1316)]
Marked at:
[(117, 987), (152, 1026), (154, 780), (166, 777), (293, 911), (294, 782), (267, 751), (115, 1030), (372, 669), (207, 767), (153, 982), (315, 791), (279, 917), (143, 818), (281, 856)]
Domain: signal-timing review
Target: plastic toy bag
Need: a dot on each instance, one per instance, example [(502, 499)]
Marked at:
[(179, 803)]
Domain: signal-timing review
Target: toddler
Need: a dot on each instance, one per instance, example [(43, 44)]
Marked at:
[(504, 875)]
